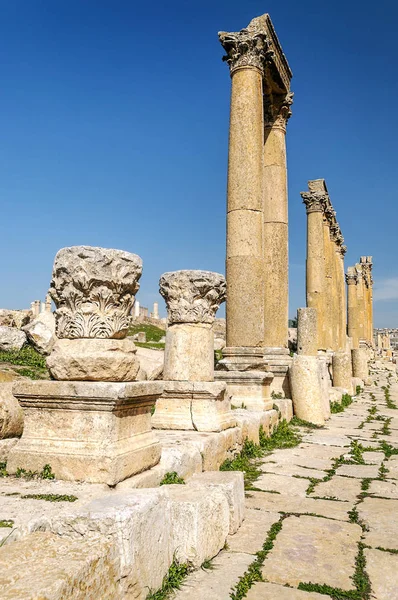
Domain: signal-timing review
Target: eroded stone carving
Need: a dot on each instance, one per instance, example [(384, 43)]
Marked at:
[(93, 290), (314, 201), (277, 110), (245, 49), (192, 296)]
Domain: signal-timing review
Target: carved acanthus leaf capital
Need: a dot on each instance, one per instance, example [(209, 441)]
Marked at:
[(351, 276), (314, 201), (93, 290), (245, 48), (192, 296), (277, 110)]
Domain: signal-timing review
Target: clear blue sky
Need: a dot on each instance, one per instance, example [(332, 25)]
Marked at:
[(114, 132)]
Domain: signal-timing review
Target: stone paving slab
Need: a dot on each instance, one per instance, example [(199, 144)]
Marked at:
[(358, 471), (382, 569), (291, 470), (327, 439), (215, 583), (387, 489), (272, 591), (252, 534), (295, 504), (293, 486), (373, 458), (342, 488), (380, 515), (312, 549)]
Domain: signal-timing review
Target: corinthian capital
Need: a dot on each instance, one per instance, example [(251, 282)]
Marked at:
[(245, 48), (192, 296), (277, 110), (314, 201), (93, 290), (351, 276)]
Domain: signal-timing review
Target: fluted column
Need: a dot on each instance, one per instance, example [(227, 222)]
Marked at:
[(246, 52), (315, 264), (275, 205)]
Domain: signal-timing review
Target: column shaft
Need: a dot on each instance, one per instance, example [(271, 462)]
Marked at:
[(244, 263), (315, 272), (328, 287)]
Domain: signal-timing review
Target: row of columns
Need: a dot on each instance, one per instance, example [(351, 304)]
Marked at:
[(325, 285), (360, 303)]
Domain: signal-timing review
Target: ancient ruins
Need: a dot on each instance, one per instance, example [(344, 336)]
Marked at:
[(115, 475)]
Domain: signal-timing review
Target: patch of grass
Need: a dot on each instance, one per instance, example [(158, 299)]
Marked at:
[(390, 550), (153, 333), (244, 462), (152, 345), (382, 472), (172, 580), (26, 357), (356, 451), (50, 497), (284, 436), (6, 523), (296, 422), (365, 483), (253, 573), (45, 473), (313, 483), (3, 469), (358, 390), (276, 395), (388, 449), (172, 478), (207, 565), (338, 407)]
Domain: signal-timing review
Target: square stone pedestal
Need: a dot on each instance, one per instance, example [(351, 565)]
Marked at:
[(198, 405), (87, 431), (248, 388), (279, 361)]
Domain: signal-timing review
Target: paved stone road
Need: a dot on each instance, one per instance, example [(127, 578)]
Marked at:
[(331, 505)]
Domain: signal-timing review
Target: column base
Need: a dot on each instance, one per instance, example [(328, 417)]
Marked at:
[(308, 400), (87, 431), (279, 362), (249, 389), (342, 371), (360, 364), (194, 406), (242, 358)]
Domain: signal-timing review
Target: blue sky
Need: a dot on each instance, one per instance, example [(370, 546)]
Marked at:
[(114, 132)]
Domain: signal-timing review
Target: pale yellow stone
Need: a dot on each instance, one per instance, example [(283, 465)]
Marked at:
[(11, 415), (382, 569), (253, 532), (189, 352), (382, 528), (307, 390), (307, 331), (332, 509), (316, 550), (342, 371), (272, 591)]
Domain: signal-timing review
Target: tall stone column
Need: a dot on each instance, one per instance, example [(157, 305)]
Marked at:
[(315, 264), (352, 309), (329, 279), (276, 266), (360, 303), (246, 53), (342, 299), (191, 399)]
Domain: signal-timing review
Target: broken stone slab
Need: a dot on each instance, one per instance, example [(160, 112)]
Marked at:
[(316, 550), (47, 566), (11, 338), (200, 522), (41, 332), (231, 484), (140, 526), (87, 431), (11, 414)]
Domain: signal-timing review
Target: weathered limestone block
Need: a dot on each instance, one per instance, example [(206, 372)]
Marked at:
[(14, 318), (200, 406), (91, 359), (138, 523), (305, 382), (6, 446), (342, 371), (200, 522), (94, 291), (326, 383), (41, 332), (189, 352), (232, 486), (93, 432), (47, 566), (250, 389), (11, 338), (11, 414), (360, 364)]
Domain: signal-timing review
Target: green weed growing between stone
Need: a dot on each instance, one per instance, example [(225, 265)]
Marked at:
[(172, 580), (6, 523), (338, 407), (50, 497), (172, 478)]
